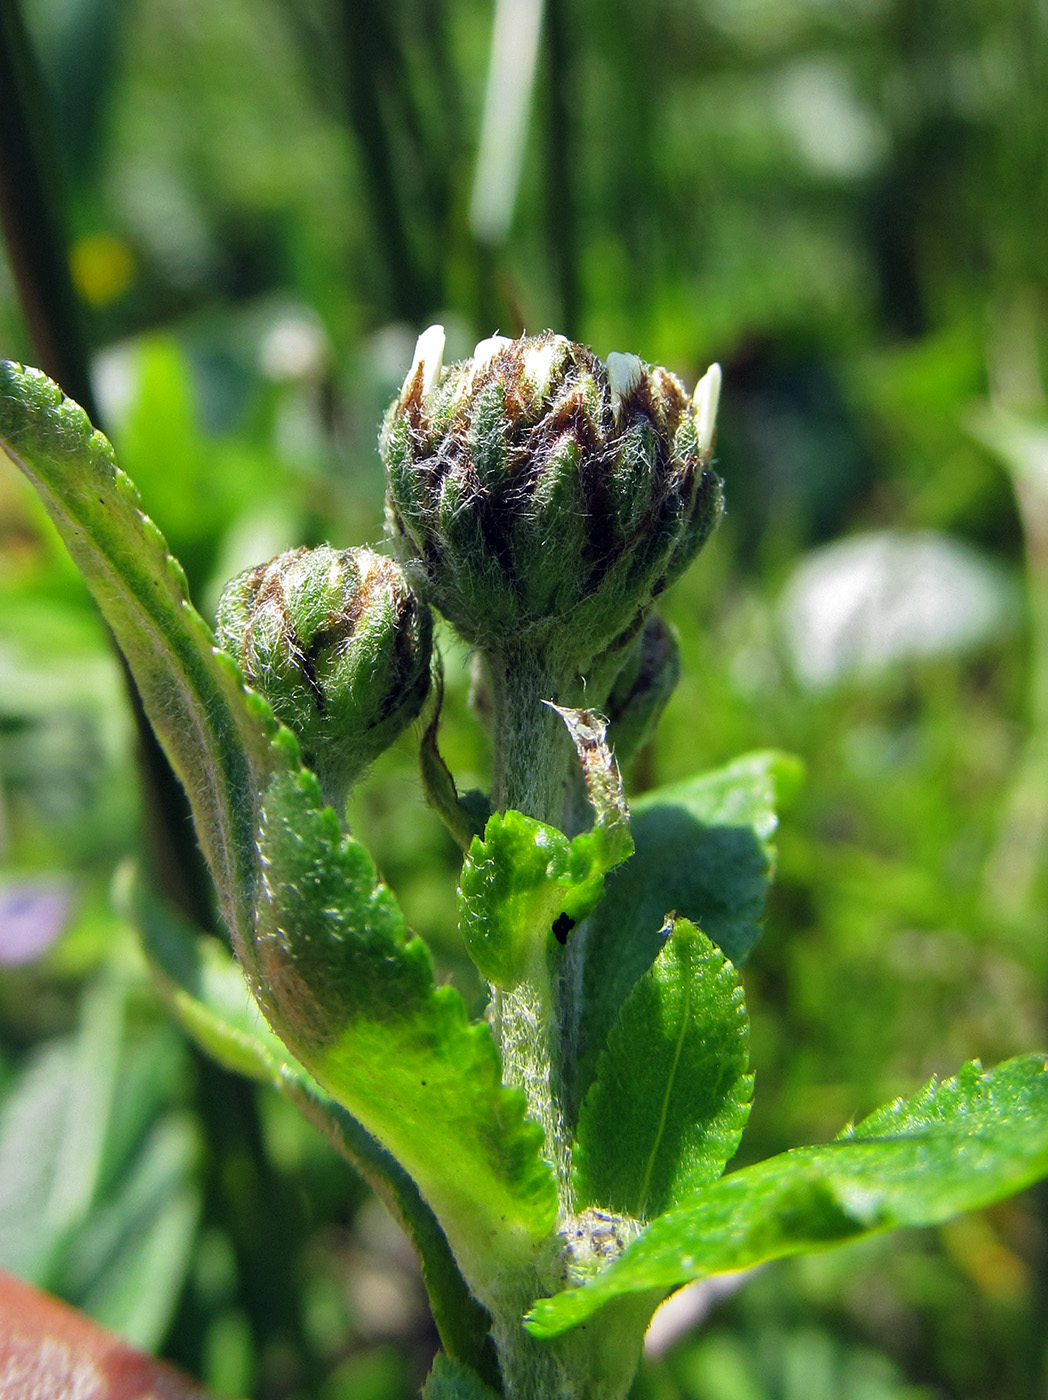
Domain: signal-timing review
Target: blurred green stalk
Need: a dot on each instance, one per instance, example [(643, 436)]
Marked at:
[(30, 213), (31, 216)]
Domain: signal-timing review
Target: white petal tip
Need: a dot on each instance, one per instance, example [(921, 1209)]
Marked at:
[(624, 374), (704, 404), (486, 350), (429, 353), (538, 364)]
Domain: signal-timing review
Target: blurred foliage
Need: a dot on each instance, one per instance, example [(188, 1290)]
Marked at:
[(845, 204)]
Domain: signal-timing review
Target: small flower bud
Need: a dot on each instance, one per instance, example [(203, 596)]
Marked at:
[(541, 498), (642, 688), (339, 645)]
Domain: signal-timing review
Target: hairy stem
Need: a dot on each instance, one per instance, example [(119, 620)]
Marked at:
[(525, 1028), (532, 763), (533, 756)]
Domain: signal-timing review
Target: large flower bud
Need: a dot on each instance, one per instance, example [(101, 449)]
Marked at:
[(542, 498), (339, 644)]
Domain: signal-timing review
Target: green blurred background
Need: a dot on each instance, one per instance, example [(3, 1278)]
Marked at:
[(262, 202)]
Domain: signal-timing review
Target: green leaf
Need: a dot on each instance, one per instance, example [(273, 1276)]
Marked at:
[(54, 1124), (953, 1147), (703, 850), (525, 886), (204, 988), (322, 940), (511, 895), (672, 1094), (359, 1008)]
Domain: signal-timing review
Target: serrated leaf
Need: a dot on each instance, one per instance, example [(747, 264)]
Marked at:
[(204, 988), (955, 1146), (672, 1093), (510, 896), (703, 850), (400, 1053), (350, 994), (525, 885)]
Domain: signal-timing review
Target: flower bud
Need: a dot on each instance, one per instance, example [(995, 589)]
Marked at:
[(642, 688), (543, 498), (339, 645)]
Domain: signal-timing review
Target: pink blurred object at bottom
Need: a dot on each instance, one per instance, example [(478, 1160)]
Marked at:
[(49, 1351)]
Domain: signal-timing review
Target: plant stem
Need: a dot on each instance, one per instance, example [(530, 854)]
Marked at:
[(531, 768), (524, 1022), (532, 749), (533, 765)]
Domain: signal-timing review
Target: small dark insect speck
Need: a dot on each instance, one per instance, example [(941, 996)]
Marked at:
[(562, 926)]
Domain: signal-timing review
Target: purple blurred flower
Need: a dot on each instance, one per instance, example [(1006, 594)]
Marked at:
[(32, 915)]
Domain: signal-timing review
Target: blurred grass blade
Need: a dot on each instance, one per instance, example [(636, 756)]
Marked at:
[(92, 1085), (127, 1265), (31, 213), (561, 156), (507, 110), (364, 24)]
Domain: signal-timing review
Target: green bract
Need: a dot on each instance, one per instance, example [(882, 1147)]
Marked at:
[(541, 495), (339, 645)]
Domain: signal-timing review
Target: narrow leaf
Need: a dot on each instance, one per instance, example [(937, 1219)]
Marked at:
[(703, 851), (127, 1264), (459, 814), (955, 1146), (672, 1092)]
